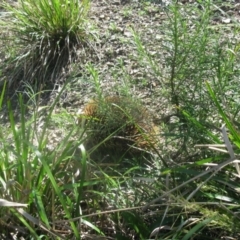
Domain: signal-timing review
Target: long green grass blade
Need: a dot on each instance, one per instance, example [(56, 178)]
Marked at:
[(224, 116), (2, 94), (197, 228), (59, 194), (40, 207), (82, 178)]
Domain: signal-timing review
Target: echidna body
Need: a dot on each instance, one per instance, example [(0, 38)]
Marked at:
[(120, 123)]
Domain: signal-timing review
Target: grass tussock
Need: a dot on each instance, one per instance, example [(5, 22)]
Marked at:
[(46, 36), (120, 123)]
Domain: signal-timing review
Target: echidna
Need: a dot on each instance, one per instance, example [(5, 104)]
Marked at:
[(119, 123)]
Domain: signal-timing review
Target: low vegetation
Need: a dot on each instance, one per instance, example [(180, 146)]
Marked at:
[(46, 36), (68, 174)]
